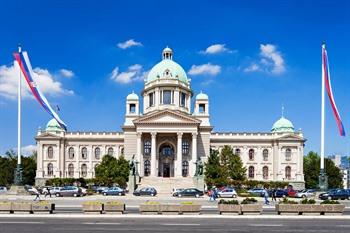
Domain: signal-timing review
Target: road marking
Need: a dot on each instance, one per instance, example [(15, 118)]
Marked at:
[(101, 223), (180, 224), (21, 222), (266, 225)]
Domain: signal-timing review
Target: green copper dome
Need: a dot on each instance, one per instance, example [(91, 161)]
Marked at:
[(53, 126), (202, 96), (167, 68), (132, 96), (283, 125)]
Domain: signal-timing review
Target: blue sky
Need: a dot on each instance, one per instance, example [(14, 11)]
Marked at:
[(250, 57)]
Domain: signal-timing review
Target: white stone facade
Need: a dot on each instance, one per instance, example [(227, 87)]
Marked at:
[(167, 138)]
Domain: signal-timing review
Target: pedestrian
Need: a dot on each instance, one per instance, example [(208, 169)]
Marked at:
[(274, 192), (266, 196), (36, 193), (48, 192)]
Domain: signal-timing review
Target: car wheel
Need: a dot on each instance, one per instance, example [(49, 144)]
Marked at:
[(57, 194), (197, 195), (104, 194), (329, 198), (75, 195), (119, 194), (234, 196), (303, 196), (179, 195), (152, 194)]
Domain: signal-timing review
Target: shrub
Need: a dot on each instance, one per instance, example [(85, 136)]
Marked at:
[(330, 202), (308, 201), (244, 194), (249, 201), (228, 202), (287, 201)]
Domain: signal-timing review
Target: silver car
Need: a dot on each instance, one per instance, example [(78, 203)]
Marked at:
[(307, 193), (227, 192)]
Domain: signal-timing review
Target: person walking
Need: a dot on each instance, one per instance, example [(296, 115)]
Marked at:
[(274, 192), (37, 194), (266, 197), (48, 192)]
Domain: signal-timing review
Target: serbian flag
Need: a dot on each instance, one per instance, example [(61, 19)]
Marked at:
[(26, 68), (327, 80)]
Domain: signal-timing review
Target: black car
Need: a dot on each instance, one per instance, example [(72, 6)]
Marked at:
[(191, 192), (145, 192), (335, 195)]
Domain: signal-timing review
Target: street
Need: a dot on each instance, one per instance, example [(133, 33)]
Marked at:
[(198, 224)]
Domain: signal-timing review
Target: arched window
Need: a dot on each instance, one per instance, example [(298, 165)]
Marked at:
[(97, 152), (71, 153), (147, 147), (84, 153), (110, 151), (288, 154), (50, 152), (288, 172), (70, 170), (83, 170), (251, 154), (265, 173), (184, 168), (238, 151), (251, 172), (265, 154), (50, 169), (185, 147), (147, 168), (167, 150)]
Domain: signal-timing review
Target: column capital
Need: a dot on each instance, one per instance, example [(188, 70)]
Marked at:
[(154, 134), (194, 134), (179, 134), (139, 134)]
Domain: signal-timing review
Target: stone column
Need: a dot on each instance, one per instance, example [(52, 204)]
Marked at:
[(91, 156), (194, 154), (153, 155), (275, 159), (138, 152), (178, 162)]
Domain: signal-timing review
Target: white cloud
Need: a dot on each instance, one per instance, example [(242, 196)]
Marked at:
[(253, 67), (272, 58), (129, 43), (28, 150), (216, 48), (132, 74), (43, 78), (208, 69), (66, 73)]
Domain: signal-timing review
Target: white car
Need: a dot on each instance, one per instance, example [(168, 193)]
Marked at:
[(228, 192), (307, 193)]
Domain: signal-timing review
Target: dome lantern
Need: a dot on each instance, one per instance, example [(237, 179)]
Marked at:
[(167, 53)]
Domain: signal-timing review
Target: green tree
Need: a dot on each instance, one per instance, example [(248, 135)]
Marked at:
[(312, 171), (113, 171), (237, 171), (213, 172)]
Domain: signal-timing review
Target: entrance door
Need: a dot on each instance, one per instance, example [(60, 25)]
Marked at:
[(166, 170)]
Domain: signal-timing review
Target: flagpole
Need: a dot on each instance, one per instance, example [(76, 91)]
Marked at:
[(18, 174), (322, 178)]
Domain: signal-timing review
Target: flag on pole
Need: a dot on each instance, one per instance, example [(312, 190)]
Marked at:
[(26, 68), (327, 80)]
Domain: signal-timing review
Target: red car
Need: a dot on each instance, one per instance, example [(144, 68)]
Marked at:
[(291, 192)]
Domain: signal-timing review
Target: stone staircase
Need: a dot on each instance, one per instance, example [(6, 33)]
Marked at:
[(166, 185)]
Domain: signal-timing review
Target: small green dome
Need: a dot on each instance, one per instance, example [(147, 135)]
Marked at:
[(53, 126), (132, 96), (283, 125), (202, 96), (167, 68)]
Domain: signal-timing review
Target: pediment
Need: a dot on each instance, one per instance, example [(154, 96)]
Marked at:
[(291, 137), (167, 117)]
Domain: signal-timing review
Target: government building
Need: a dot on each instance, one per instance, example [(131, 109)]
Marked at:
[(167, 136)]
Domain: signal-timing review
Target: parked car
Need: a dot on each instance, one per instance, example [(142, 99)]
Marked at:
[(291, 192), (100, 189), (116, 191), (3, 189), (307, 193), (335, 195), (227, 192), (279, 193), (29, 189), (190, 192), (54, 190), (258, 191), (69, 191), (148, 191), (175, 191)]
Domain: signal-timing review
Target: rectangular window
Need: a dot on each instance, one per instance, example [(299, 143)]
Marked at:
[(151, 99), (201, 108), (182, 99), (167, 97), (132, 108)]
